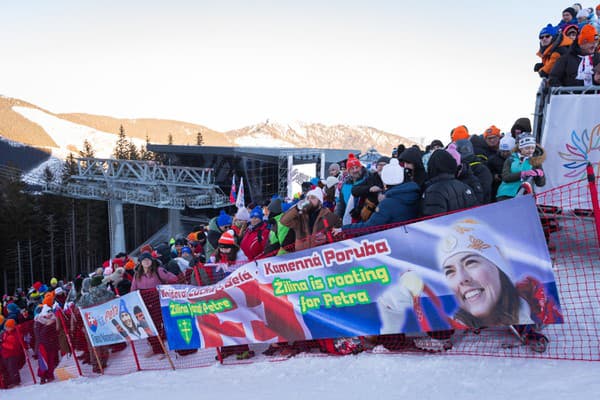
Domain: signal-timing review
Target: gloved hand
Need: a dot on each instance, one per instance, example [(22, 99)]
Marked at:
[(537, 67), (527, 174), (392, 306), (539, 172)]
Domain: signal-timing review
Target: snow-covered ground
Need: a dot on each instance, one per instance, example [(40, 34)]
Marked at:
[(368, 376)]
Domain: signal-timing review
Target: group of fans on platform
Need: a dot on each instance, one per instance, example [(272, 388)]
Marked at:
[(569, 51)]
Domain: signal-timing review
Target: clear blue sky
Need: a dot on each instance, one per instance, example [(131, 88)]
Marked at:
[(412, 68)]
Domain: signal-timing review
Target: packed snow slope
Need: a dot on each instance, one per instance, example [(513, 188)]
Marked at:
[(366, 376)]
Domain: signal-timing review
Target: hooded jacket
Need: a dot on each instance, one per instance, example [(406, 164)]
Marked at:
[(443, 192), (413, 156)]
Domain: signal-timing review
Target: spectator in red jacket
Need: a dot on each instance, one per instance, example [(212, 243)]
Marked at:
[(256, 236), (12, 354)]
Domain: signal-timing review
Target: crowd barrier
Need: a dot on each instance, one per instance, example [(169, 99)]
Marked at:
[(571, 225)]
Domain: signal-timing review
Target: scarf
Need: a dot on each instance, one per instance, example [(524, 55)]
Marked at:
[(585, 71)]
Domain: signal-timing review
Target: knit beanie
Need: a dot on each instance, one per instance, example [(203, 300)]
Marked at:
[(491, 131), (316, 192), (223, 219), (242, 214), (228, 238), (257, 212), (458, 133), (571, 27), (331, 181), (525, 140), (587, 35), (392, 173), (547, 30), (571, 11), (10, 324), (472, 236), (275, 207), (507, 143), (144, 256), (522, 124), (352, 161)]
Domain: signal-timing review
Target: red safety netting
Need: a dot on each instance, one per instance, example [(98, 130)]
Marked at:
[(570, 227)]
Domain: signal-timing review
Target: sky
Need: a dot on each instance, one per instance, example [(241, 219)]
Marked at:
[(411, 68)]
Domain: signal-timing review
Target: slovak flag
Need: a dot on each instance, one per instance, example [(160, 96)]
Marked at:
[(240, 203), (232, 192)]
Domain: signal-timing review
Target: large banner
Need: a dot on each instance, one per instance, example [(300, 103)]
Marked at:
[(571, 138), (119, 320), (487, 266)]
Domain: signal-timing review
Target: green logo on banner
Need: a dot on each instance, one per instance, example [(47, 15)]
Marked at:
[(185, 329)]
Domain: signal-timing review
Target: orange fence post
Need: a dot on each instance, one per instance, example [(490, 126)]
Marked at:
[(594, 196)]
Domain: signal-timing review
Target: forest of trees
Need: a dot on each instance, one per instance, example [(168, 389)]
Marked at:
[(44, 235)]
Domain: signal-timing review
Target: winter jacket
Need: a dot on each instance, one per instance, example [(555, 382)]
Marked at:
[(401, 203), (551, 53), (324, 221), (565, 70), (152, 280), (10, 345), (418, 174), (495, 164), (254, 240), (511, 172), (483, 174), (480, 148), (443, 192), (466, 176), (281, 238), (348, 206)]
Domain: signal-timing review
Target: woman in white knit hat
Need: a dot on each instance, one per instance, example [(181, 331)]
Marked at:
[(482, 279)]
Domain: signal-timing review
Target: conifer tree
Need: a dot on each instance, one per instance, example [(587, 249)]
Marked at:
[(199, 139), (170, 139), (122, 147)]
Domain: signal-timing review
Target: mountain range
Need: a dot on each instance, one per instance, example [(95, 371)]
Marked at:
[(23, 123)]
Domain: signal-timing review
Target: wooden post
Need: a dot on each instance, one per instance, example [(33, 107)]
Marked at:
[(162, 345)]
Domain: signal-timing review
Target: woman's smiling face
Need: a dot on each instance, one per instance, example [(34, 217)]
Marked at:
[(475, 282)]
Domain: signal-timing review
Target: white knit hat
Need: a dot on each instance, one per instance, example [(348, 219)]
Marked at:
[(392, 173), (472, 236), (242, 214), (331, 181), (317, 192), (507, 143)]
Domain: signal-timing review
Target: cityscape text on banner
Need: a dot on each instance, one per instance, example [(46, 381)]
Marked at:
[(483, 267)]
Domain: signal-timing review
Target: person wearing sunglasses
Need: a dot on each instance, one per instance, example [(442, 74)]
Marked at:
[(552, 46), (575, 68)]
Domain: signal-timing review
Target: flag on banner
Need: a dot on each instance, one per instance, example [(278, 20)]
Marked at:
[(232, 192), (240, 203)]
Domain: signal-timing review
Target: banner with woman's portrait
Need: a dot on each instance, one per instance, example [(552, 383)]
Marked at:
[(483, 267), (120, 320)]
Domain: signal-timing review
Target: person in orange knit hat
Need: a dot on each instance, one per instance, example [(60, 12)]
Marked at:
[(459, 133), (576, 67)]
